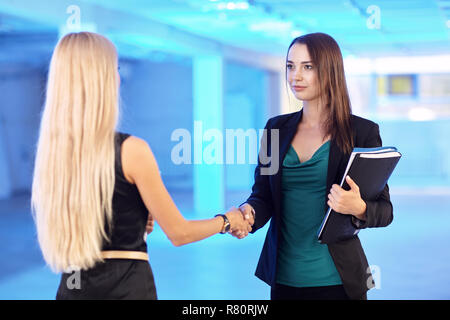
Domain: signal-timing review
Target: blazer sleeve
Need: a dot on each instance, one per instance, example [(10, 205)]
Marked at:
[(379, 213), (261, 196)]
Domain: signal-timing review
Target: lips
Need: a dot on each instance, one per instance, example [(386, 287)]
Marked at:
[(298, 88)]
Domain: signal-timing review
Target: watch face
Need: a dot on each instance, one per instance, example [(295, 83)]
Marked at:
[(227, 226)]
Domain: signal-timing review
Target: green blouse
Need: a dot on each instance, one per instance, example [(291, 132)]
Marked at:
[(302, 260)]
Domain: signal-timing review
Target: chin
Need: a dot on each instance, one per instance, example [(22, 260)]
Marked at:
[(305, 96), (302, 96)]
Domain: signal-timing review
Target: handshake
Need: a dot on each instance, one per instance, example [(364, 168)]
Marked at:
[(241, 220)]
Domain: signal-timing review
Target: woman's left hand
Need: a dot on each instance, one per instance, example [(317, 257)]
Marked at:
[(347, 202)]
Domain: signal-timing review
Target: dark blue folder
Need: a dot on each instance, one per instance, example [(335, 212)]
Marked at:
[(370, 168)]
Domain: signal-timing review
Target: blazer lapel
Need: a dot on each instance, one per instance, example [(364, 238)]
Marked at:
[(334, 161), (286, 134)]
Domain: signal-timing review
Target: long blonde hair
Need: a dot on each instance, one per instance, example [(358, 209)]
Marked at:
[(74, 179)]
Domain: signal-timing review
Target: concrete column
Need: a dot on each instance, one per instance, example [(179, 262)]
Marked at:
[(208, 138)]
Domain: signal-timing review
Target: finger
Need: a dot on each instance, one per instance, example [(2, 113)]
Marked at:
[(351, 183), (242, 236), (335, 206), (235, 234), (333, 197), (251, 221), (331, 205), (244, 231), (337, 189), (333, 192), (252, 212), (245, 212)]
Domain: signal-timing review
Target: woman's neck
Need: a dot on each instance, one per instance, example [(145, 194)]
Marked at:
[(313, 114)]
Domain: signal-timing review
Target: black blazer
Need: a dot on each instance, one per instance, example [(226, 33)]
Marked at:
[(348, 255)]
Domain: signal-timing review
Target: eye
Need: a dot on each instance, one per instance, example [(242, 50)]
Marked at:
[(289, 66), (308, 67)]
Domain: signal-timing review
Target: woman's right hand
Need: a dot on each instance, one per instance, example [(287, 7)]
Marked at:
[(238, 225)]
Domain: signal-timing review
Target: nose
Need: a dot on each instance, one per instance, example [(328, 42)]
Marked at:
[(297, 75)]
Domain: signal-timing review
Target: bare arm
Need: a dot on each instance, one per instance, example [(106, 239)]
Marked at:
[(140, 167)]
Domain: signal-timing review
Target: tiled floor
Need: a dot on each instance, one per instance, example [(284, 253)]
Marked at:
[(410, 258)]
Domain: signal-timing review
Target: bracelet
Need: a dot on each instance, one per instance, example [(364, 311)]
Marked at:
[(226, 223)]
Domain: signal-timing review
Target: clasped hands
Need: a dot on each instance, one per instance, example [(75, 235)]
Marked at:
[(241, 220), (342, 201)]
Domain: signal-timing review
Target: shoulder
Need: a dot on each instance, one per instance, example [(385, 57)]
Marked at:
[(134, 146), (365, 132), (137, 156), (283, 120), (362, 122), (135, 141), (363, 126)]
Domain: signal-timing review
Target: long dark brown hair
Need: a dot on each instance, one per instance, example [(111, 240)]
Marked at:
[(327, 58)]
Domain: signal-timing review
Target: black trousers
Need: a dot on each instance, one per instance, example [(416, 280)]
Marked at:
[(115, 279), (283, 292)]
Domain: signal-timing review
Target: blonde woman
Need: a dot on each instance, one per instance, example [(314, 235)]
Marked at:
[(93, 188)]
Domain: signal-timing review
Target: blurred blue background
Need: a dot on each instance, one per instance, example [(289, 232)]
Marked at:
[(222, 63)]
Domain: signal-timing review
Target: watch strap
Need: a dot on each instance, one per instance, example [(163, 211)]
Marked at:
[(226, 223)]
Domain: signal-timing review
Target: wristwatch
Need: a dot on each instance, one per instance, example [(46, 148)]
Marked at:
[(226, 223)]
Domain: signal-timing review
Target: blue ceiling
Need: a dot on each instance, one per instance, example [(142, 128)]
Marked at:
[(363, 28)]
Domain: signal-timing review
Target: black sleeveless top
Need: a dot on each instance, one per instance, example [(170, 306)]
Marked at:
[(129, 211)]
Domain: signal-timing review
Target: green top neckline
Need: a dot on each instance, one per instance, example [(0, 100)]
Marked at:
[(313, 156)]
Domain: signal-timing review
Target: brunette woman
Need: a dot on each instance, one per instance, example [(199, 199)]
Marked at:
[(314, 147)]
